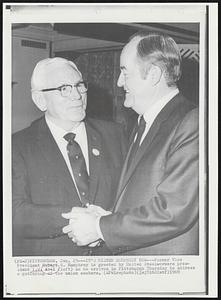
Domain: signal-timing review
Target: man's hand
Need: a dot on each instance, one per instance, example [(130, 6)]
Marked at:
[(82, 224), (99, 211), (82, 227)]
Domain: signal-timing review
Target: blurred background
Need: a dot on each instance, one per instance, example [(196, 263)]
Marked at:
[(95, 48)]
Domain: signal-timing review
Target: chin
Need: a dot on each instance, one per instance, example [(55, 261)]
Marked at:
[(78, 117), (129, 101)]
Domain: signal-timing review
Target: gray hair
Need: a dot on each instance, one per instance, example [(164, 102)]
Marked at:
[(42, 65)]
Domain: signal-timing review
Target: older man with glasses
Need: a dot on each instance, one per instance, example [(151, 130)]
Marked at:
[(61, 161)]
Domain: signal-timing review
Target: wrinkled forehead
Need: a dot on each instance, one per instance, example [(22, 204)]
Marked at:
[(55, 74)]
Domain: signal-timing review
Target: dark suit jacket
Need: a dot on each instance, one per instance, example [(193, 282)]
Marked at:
[(157, 201), (43, 187)]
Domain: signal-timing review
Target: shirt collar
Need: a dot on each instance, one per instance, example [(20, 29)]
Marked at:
[(58, 132)]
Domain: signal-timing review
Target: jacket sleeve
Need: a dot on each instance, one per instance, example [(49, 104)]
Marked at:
[(31, 220), (174, 208)]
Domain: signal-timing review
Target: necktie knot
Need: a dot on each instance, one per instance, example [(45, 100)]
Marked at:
[(69, 137)]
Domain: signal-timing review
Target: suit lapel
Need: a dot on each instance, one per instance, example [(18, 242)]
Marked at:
[(123, 172), (51, 152), (160, 119), (95, 154), (125, 166), (143, 148), (133, 133), (127, 172)]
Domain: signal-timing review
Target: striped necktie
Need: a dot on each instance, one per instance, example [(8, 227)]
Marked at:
[(78, 166)]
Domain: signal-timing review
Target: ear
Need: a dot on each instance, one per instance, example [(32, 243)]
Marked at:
[(39, 100), (155, 74)]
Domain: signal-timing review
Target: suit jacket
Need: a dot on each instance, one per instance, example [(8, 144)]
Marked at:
[(156, 211), (43, 187)]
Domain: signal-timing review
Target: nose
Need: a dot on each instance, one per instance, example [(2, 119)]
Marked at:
[(75, 94), (120, 81)]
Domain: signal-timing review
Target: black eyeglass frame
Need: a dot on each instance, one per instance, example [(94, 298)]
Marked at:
[(59, 88)]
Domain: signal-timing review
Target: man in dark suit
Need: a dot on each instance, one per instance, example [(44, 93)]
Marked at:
[(52, 172), (156, 208)]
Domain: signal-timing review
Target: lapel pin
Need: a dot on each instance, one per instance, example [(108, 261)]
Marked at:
[(95, 151)]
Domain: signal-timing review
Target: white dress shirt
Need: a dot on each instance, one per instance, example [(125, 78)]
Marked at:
[(149, 117), (81, 138)]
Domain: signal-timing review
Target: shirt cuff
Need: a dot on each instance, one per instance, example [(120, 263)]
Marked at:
[(98, 229)]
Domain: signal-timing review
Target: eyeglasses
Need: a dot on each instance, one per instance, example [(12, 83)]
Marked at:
[(66, 89)]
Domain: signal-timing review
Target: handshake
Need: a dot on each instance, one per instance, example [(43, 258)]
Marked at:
[(83, 227)]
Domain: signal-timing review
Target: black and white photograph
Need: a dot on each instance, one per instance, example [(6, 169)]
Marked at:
[(107, 131)]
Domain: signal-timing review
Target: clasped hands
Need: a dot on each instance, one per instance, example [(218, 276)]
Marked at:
[(82, 224)]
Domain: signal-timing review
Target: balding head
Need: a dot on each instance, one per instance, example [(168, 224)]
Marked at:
[(45, 67)]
